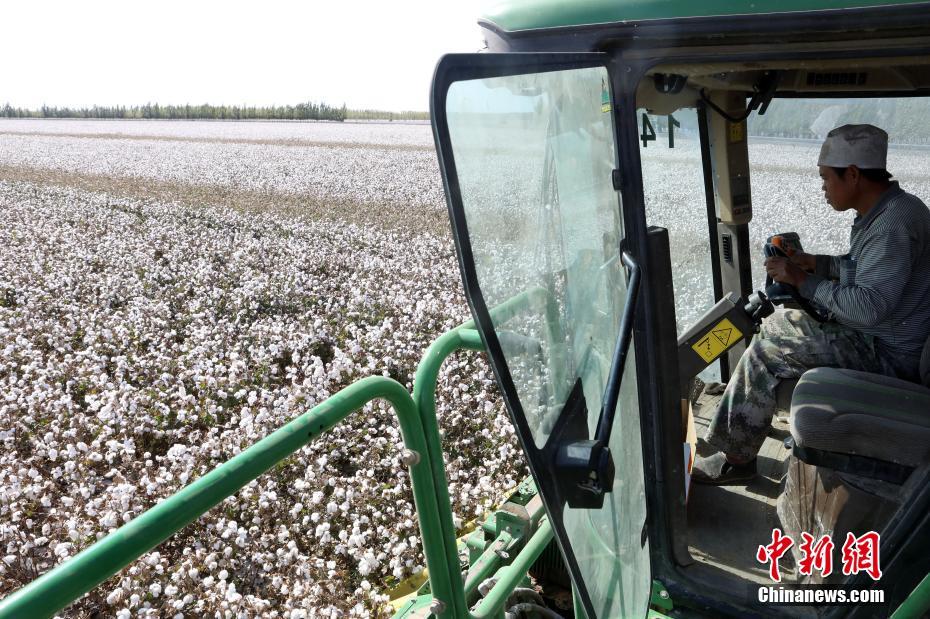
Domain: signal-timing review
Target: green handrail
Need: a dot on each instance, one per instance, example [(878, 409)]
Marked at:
[(451, 602), (69, 581), (510, 576), (917, 604)]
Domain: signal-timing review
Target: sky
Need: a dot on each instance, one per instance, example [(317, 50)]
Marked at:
[(364, 54)]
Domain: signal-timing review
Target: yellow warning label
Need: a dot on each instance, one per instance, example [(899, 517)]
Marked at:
[(720, 337), (737, 131)]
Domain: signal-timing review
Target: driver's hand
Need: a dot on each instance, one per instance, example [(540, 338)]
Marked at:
[(784, 270), (806, 261)]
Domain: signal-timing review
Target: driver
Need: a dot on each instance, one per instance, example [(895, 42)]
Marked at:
[(878, 294)]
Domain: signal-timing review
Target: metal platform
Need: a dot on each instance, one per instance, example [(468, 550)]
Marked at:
[(726, 524)]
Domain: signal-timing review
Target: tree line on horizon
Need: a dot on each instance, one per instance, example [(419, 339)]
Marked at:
[(811, 118), (301, 111), (383, 115)]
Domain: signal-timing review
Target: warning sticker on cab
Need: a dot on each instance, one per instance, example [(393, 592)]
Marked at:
[(737, 132), (720, 337)]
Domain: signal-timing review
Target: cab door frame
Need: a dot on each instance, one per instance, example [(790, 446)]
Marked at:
[(626, 180)]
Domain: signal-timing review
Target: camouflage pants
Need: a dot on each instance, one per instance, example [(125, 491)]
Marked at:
[(788, 344)]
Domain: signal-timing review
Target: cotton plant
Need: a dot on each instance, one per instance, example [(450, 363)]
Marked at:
[(146, 342)]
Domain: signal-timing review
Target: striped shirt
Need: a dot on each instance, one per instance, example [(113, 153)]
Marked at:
[(882, 286)]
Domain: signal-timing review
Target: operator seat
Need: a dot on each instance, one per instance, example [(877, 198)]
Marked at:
[(857, 437)]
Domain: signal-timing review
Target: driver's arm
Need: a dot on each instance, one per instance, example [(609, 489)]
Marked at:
[(869, 288), (821, 264), (828, 266)]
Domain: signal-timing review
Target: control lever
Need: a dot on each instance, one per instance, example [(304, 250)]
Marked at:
[(780, 293), (758, 306)]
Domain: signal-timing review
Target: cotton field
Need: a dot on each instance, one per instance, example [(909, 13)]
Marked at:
[(342, 171), (399, 133), (172, 292), (145, 342)]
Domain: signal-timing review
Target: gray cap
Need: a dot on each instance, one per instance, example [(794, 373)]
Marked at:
[(864, 146)]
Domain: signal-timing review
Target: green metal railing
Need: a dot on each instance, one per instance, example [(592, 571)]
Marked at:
[(78, 575), (917, 604), (451, 596), (510, 576), (416, 415)]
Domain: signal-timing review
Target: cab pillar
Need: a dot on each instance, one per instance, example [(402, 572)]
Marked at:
[(729, 155)]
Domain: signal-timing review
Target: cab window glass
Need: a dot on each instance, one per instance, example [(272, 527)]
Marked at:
[(534, 157), (673, 187), (784, 145)]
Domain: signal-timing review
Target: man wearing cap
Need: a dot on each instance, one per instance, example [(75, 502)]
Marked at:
[(878, 295)]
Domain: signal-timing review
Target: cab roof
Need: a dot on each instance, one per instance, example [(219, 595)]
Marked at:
[(525, 15)]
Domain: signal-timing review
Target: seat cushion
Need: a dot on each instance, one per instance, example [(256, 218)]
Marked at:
[(871, 415)]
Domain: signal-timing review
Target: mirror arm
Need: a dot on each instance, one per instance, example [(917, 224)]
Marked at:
[(585, 468), (612, 392)]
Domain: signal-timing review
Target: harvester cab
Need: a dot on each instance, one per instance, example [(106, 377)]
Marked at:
[(565, 236)]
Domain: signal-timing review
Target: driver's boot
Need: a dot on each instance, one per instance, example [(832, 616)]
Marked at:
[(718, 471)]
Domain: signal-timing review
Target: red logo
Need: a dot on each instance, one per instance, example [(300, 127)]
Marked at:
[(860, 554), (817, 556), (773, 552)]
